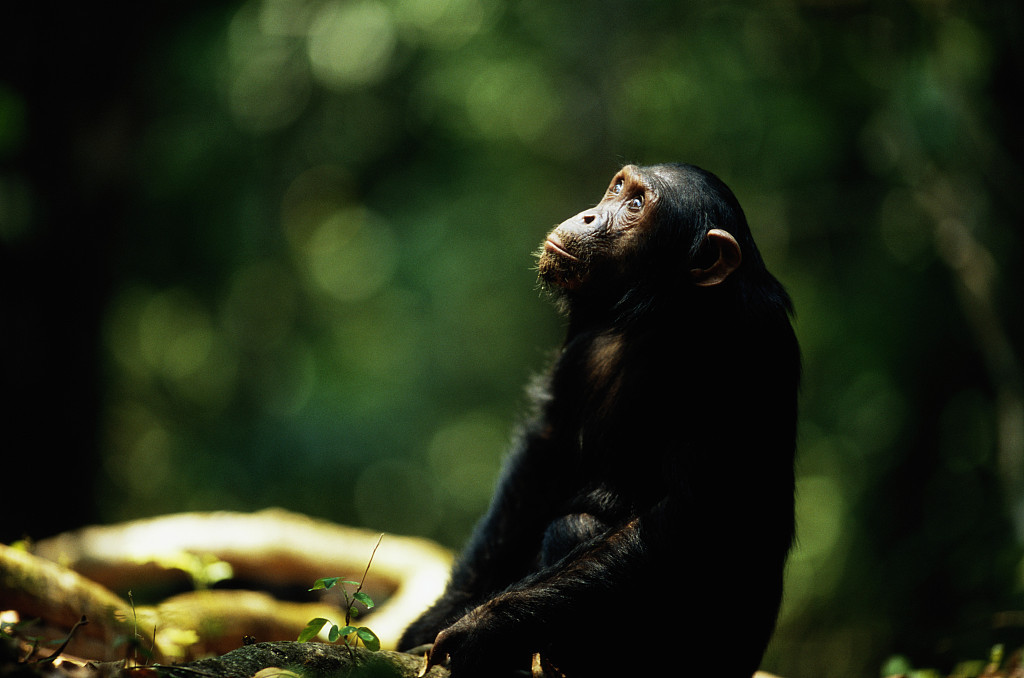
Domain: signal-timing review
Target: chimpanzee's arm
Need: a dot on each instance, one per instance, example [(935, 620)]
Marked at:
[(550, 603), (678, 556), (507, 540)]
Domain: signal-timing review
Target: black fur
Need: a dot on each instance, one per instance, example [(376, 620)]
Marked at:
[(647, 509)]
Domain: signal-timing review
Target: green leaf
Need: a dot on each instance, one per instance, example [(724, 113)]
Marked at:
[(369, 638), (330, 582), (364, 599), (974, 667), (325, 583), (312, 628), (334, 633)]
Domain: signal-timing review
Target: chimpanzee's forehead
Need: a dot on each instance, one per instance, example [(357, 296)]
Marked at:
[(663, 174), (630, 172), (633, 175)]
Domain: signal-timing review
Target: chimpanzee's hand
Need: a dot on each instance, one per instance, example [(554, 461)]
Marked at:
[(459, 643), (479, 645)]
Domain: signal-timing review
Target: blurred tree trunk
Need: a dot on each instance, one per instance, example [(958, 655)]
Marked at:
[(67, 167)]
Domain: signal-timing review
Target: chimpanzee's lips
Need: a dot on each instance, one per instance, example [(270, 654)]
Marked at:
[(554, 244)]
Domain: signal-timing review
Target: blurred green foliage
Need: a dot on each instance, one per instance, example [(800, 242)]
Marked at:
[(318, 288)]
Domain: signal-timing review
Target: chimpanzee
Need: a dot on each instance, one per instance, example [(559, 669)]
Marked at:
[(644, 517)]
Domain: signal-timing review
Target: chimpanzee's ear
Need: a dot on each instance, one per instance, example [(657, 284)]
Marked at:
[(724, 254)]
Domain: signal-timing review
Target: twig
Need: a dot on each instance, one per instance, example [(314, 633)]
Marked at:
[(366, 571), (350, 604), (47, 660)]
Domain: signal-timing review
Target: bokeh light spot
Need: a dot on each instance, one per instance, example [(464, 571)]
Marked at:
[(511, 99), (446, 23), (175, 336), (140, 449), (393, 496), (820, 512), (351, 43), (260, 306), (269, 92), (814, 570), (465, 457), (351, 255), (283, 380), (169, 337)]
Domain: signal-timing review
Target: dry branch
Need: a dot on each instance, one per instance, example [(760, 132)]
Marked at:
[(273, 547)]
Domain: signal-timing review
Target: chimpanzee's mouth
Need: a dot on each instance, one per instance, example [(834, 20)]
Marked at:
[(554, 245)]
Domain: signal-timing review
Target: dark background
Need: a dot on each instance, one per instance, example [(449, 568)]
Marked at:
[(279, 253)]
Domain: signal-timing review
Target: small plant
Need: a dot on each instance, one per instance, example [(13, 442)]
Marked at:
[(203, 569), (13, 631), (134, 641), (345, 633)]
